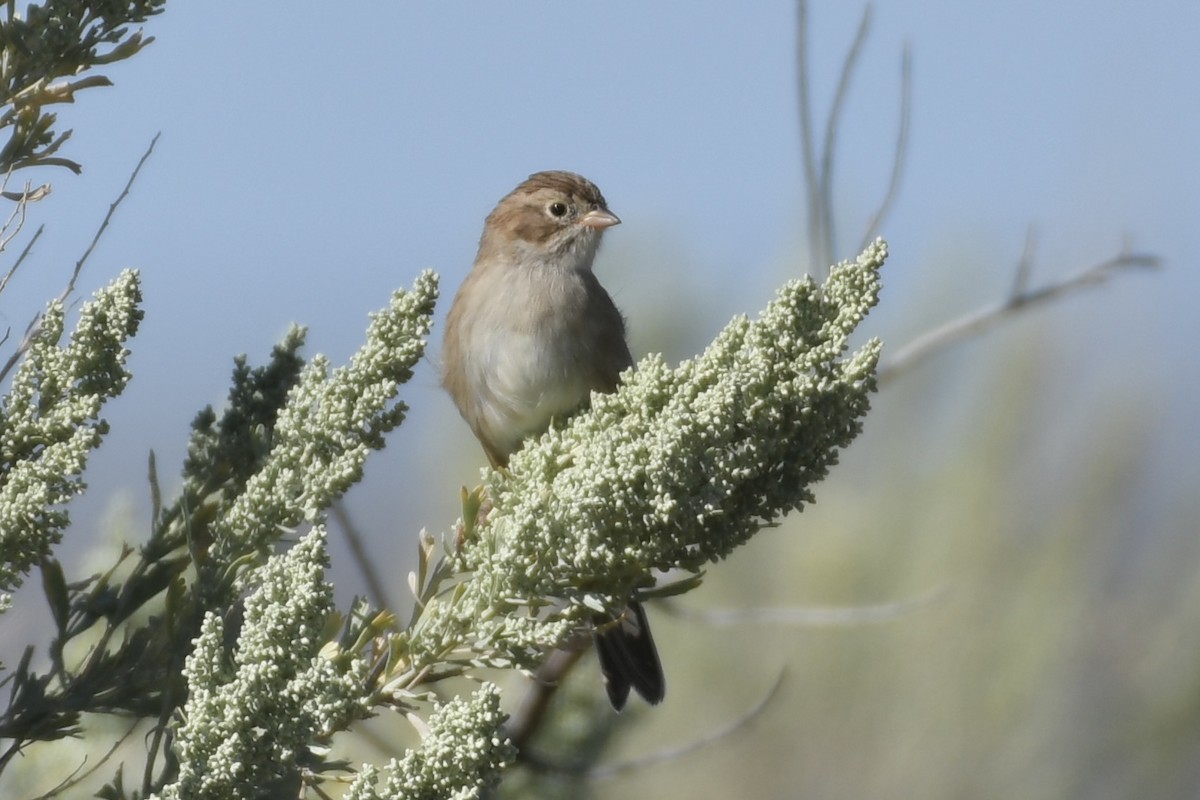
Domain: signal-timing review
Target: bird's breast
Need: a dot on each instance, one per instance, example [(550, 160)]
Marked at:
[(532, 354)]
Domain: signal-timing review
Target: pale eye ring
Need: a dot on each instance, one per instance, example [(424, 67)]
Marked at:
[(557, 209)]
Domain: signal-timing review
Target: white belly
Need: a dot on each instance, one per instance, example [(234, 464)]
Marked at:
[(524, 381)]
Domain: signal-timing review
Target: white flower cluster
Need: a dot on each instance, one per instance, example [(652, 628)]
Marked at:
[(331, 423), (673, 470), (460, 756), (50, 420), (250, 716)]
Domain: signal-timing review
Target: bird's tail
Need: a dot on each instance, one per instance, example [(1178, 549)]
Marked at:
[(629, 659)]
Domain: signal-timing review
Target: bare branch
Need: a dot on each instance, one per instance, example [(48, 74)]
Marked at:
[(812, 617), (712, 737), (13, 225), (587, 772), (828, 238), (900, 155), (35, 324), (818, 177), (1020, 300), (112, 209), (376, 589), (527, 719), (80, 775), (812, 183), (1024, 266)]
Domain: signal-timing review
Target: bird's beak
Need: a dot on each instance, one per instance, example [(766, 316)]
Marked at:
[(599, 218)]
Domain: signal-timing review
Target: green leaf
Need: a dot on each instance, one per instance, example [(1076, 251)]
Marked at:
[(54, 584)]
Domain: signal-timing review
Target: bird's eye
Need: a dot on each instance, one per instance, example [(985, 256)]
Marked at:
[(557, 209)]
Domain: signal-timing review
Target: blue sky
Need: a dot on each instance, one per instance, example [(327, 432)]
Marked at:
[(314, 157)]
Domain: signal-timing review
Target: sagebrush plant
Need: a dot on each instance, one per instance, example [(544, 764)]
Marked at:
[(218, 633), (673, 470)]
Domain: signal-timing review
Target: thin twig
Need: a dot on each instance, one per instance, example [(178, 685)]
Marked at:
[(76, 777), (1024, 268), (979, 321), (811, 617), (24, 253), (899, 156), (155, 492), (166, 709), (669, 754), (712, 737), (376, 589), (527, 719), (12, 750), (829, 146), (112, 209), (812, 183), (35, 324), (17, 216), (28, 337)]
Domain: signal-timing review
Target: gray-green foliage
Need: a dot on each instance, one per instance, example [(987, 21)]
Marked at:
[(461, 755), (275, 681), (45, 52), (50, 421), (332, 420), (675, 469), (291, 441), (48, 52)]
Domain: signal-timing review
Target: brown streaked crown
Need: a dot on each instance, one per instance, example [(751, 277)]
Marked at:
[(522, 212), (567, 183)]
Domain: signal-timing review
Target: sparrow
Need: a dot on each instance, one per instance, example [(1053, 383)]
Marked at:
[(530, 335)]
